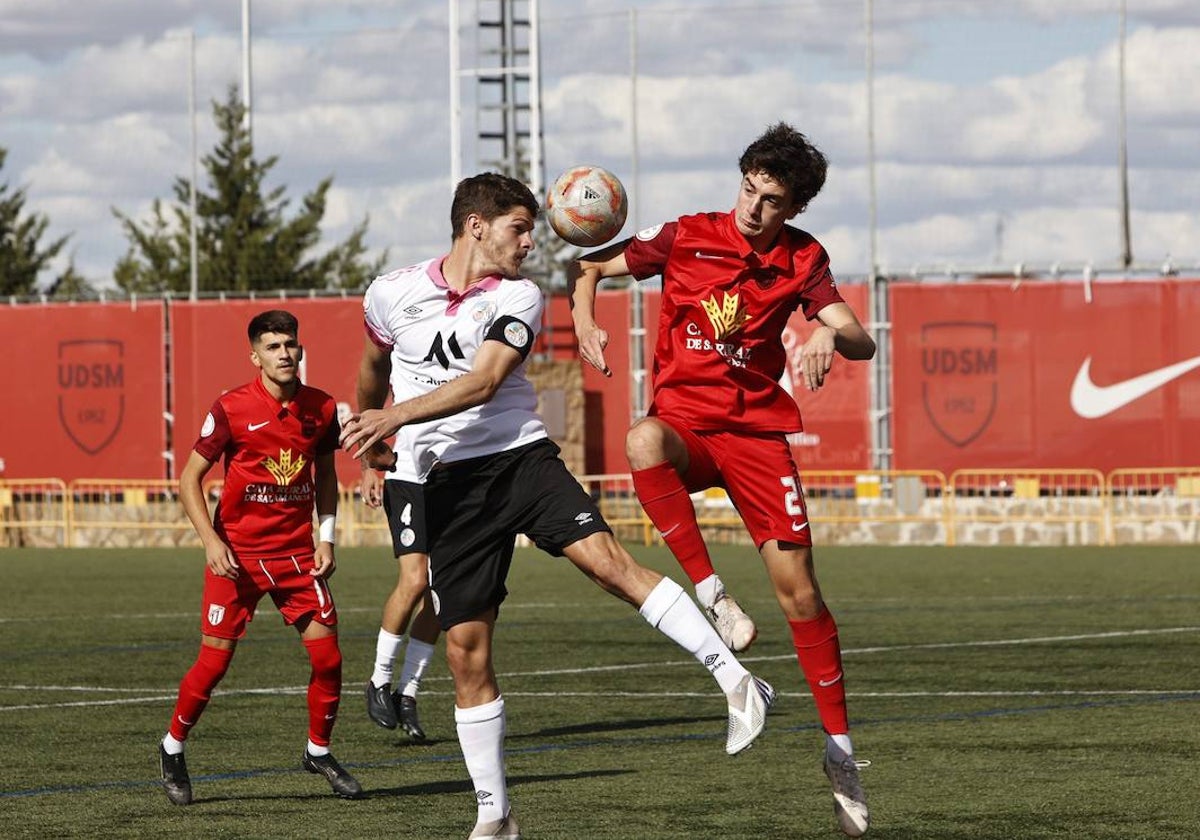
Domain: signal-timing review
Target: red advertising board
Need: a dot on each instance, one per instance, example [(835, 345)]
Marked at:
[(210, 353), (83, 386), (992, 376)]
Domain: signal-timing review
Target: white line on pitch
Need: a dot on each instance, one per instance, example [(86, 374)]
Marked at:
[(642, 665)]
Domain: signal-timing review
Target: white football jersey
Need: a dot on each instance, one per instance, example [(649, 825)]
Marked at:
[(433, 334)]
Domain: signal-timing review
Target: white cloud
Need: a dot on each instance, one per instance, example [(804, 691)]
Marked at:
[(94, 97)]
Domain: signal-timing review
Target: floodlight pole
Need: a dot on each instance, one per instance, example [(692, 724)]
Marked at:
[(1122, 147), (455, 98), (637, 327), (195, 269), (247, 120)]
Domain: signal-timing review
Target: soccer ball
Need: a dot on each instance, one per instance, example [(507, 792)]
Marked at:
[(587, 206)]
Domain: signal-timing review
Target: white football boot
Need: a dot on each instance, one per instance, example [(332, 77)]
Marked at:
[(748, 705)]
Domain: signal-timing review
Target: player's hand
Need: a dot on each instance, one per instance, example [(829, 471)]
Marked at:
[(363, 431), (324, 563), (592, 341), (220, 560), (816, 357), (371, 487)]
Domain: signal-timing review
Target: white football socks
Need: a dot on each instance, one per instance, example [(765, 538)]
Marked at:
[(838, 747), (171, 745), (481, 737), (387, 647), (709, 590), (416, 660), (673, 613)]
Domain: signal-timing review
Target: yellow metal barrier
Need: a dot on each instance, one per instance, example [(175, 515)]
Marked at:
[(34, 512), (1029, 507), (877, 506), (1155, 505), (989, 507), (125, 512)]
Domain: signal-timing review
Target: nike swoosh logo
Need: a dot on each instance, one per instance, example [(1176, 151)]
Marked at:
[(799, 527), (700, 255), (254, 427), (327, 613), (1092, 401), (827, 683), (185, 722), (669, 531)]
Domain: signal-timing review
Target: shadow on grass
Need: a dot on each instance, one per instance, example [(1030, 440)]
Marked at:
[(455, 786), (627, 725)]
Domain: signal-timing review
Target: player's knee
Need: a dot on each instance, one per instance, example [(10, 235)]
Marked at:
[(325, 655), (646, 444)]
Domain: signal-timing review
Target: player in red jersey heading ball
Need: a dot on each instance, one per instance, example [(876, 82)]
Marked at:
[(719, 417), (277, 437)]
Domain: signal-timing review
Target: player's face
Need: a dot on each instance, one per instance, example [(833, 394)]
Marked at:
[(277, 355), (507, 241), (763, 206)]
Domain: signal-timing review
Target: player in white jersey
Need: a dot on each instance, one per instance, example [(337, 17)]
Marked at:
[(458, 330)]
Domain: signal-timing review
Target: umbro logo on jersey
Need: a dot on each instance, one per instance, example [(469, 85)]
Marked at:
[(583, 518), (412, 311), (438, 352)]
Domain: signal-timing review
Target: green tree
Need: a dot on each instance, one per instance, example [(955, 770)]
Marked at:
[(244, 239), (23, 256)]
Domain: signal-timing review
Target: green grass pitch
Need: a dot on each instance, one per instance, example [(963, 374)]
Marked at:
[(1001, 693)]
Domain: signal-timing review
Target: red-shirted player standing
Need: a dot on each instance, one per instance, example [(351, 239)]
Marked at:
[(277, 438), (719, 416)]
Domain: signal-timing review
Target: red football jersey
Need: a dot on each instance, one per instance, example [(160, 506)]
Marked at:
[(266, 505), (720, 353)]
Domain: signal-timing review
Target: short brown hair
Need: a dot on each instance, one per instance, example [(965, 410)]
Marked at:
[(273, 321), (488, 195)]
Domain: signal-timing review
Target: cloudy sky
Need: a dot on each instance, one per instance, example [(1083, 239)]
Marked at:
[(995, 123)]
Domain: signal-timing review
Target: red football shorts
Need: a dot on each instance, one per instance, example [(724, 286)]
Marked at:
[(229, 604), (758, 473)]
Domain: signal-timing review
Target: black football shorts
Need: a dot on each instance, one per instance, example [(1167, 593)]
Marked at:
[(404, 503), (474, 510)]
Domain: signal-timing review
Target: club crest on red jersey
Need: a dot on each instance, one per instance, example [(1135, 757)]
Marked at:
[(726, 317), (284, 470)]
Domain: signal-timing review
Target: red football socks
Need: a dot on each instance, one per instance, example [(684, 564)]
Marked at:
[(820, 656), (669, 507), (196, 688), (324, 687)]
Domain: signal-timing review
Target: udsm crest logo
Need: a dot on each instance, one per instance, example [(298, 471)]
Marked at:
[(960, 383), (91, 391)]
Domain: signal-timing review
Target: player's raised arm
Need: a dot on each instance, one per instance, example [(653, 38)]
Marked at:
[(840, 332), (583, 276)]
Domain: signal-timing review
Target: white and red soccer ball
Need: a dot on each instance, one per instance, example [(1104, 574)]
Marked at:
[(587, 206)]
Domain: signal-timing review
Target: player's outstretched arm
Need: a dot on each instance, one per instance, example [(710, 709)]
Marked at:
[(217, 554), (494, 361), (583, 277)]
